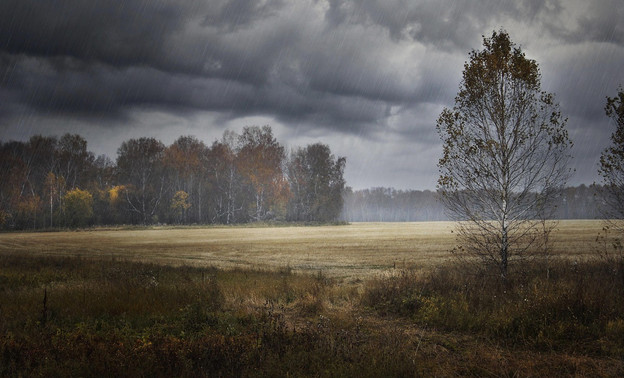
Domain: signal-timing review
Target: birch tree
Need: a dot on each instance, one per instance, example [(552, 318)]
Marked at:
[(224, 180), (139, 166), (612, 164), (183, 160), (260, 158), (316, 184), (505, 154)]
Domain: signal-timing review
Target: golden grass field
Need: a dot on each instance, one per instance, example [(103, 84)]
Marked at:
[(354, 251), (104, 314)]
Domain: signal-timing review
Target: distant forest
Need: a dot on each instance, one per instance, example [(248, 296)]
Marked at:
[(391, 205), (49, 182)]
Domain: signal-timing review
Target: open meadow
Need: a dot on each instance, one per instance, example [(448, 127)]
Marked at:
[(369, 299), (354, 251)]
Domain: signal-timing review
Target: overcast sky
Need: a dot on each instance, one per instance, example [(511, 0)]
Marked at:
[(367, 77)]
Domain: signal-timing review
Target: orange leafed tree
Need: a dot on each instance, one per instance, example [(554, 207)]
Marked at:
[(184, 161), (260, 161)]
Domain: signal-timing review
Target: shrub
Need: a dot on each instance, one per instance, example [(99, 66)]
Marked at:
[(571, 303), (77, 208)]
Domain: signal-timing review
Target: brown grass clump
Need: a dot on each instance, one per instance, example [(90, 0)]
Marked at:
[(111, 317), (574, 307)]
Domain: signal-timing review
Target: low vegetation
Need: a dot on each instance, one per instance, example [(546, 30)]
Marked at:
[(574, 307), (72, 315)]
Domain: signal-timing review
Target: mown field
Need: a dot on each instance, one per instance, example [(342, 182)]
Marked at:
[(354, 300), (355, 251)]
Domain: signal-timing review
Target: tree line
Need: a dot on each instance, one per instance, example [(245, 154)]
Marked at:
[(393, 205), (50, 182)]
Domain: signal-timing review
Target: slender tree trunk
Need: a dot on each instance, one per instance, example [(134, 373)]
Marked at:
[(504, 252), (51, 208), (199, 203)]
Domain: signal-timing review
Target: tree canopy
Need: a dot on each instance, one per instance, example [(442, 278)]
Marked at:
[(612, 160), (505, 153), (316, 184), (51, 182)]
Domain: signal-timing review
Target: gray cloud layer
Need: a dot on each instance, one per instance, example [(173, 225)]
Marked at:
[(377, 71)]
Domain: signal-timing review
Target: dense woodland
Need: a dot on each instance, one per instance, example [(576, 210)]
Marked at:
[(392, 205), (50, 182)]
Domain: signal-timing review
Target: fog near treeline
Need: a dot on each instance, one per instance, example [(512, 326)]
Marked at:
[(392, 205)]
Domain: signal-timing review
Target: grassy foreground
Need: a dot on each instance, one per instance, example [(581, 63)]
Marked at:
[(115, 316)]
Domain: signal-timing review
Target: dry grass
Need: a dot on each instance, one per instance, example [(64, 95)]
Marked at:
[(79, 304), (355, 251)]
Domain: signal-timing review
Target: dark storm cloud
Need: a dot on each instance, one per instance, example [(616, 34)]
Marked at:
[(236, 14), (134, 33), (377, 71), (85, 53), (120, 34), (600, 21), (443, 24), (107, 57)]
